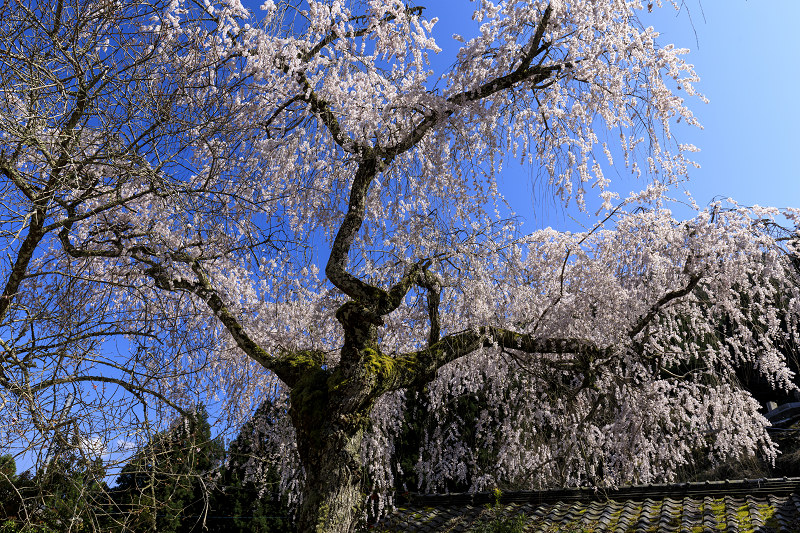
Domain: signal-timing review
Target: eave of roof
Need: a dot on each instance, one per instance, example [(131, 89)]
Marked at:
[(760, 505)]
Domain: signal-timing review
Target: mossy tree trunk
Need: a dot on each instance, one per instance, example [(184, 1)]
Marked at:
[(330, 404), (330, 411), (333, 491)]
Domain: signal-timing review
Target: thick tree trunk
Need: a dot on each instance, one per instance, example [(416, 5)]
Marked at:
[(330, 411), (333, 494)]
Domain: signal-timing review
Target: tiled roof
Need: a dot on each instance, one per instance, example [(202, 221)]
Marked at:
[(765, 505)]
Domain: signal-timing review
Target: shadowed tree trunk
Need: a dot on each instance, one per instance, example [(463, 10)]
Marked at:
[(330, 412)]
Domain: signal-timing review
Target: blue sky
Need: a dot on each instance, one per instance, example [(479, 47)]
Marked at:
[(747, 54), (748, 57)]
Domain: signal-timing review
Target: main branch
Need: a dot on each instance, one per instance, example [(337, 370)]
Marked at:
[(421, 366), (374, 160)]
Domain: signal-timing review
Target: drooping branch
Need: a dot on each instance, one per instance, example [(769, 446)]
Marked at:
[(325, 112), (289, 366), (127, 385), (336, 268), (42, 199), (553, 303), (535, 47), (373, 160), (361, 32), (117, 202), (18, 181), (524, 73), (400, 289), (321, 107), (24, 257), (29, 245)]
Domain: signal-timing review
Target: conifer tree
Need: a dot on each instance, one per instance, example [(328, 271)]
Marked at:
[(248, 496), (165, 487)]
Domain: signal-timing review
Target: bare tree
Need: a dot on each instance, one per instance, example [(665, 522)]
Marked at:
[(96, 116)]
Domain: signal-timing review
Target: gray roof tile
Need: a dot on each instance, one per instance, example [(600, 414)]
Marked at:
[(753, 506)]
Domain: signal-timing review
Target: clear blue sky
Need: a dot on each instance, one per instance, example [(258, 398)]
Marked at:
[(747, 54)]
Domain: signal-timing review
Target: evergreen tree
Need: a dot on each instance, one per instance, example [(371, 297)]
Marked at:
[(248, 498), (64, 494), (70, 489), (165, 487), (9, 499)]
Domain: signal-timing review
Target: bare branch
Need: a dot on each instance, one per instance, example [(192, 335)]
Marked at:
[(429, 281)]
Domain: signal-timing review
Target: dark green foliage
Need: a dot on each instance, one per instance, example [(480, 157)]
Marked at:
[(181, 481), (63, 495), (68, 490), (166, 486), (9, 500), (407, 444), (461, 415), (248, 498), (418, 419)]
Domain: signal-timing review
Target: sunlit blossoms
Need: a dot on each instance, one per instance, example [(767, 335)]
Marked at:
[(297, 204)]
